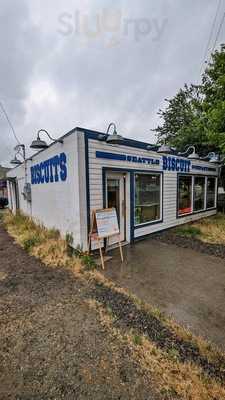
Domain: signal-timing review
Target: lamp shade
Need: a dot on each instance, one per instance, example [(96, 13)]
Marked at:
[(215, 159), (194, 156), (38, 144), (164, 148), (15, 161), (114, 138)]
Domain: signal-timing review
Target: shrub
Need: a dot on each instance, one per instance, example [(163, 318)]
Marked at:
[(88, 261), (31, 241), (188, 231)]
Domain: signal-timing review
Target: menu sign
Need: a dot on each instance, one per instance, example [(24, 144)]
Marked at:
[(107, 222)]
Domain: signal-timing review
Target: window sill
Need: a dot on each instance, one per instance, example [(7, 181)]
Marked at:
[(195, 212), (158, 221)]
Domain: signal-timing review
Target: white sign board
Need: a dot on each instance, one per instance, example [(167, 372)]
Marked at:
[(107, 222)]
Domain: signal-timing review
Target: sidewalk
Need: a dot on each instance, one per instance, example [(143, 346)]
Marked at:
[(179, 281)]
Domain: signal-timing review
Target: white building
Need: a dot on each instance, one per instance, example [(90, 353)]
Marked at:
[(61, 185)]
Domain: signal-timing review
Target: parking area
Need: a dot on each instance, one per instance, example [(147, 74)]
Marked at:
[(181, 282)]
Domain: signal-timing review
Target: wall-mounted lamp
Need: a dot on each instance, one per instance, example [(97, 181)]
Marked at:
[(164, 148), (215, 158), (41, 144), (114, 138), (18, 148), (191, 156), (150, 147), (15, 161)]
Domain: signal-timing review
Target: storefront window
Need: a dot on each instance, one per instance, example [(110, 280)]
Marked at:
[(184, 194), (211, 192), (147, 198), (199, 193)]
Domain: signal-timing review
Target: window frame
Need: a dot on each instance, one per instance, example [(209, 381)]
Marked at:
[(205, 209), (215, 194), (204, 202), (160, 219)]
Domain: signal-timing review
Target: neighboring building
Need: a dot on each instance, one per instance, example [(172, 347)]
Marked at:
[(150, 191), (3, 182)]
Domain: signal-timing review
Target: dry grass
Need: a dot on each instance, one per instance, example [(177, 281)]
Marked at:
[(209, 230), (212, 229), (46, 244), (171, 377)]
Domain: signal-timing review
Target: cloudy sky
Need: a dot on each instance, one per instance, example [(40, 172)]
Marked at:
[(87, 63)]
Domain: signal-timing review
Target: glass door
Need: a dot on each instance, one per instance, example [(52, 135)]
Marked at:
[(115, 198)]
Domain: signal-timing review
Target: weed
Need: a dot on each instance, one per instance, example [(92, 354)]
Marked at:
[(137, 339), (88, 261), (78, 252), (173, 354), (30, 242), (188, 231), (69, 242)]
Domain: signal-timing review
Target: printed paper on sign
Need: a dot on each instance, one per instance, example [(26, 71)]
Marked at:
[(107, 222)]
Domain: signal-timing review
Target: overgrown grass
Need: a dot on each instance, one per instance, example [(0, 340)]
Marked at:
[(210, 230), (46, 244)]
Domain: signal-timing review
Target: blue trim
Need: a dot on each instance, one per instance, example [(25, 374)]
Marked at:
[(87, 182), (132, 200), (127, 157), (94, 135), (158, 221), (110, 156)]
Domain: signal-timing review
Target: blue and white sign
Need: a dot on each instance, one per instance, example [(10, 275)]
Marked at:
[(171, 163), (127, 157), (52, 170)]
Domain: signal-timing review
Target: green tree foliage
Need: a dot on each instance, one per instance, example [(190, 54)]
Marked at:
[(196, 114)]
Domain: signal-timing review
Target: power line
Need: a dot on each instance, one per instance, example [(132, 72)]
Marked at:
[(9, 122), (211, 34), (218, 32)]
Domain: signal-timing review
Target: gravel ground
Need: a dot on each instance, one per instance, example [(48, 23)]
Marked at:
[(52, 344), (170, 236)]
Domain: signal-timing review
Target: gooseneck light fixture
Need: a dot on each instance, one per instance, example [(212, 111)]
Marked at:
[(15, 161), (41, 144), (20, 147), (113, 138), (216, 159), (192, 156), (164, 148)]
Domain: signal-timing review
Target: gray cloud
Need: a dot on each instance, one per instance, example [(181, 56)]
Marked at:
[(56, 81)]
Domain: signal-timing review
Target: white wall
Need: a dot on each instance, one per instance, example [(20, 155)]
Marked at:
[(55, 204)]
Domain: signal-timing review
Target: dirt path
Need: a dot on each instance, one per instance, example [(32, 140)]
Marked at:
[(52, 344)]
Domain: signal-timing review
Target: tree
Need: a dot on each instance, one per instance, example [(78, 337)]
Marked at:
[(213, 89), (196, 114)]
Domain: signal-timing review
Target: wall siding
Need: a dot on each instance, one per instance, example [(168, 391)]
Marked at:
[(169, 183)]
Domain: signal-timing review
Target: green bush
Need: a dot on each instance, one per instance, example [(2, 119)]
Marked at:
[(29, 242), (188, 231), (88, 261)]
